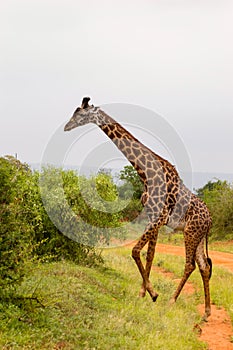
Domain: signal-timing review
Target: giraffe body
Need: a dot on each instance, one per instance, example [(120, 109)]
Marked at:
[(166, 199)]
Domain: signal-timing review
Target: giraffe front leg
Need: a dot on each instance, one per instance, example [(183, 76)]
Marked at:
[(149, 260), (146, 284)]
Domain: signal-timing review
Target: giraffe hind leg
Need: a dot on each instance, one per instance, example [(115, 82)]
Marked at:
[(210, 266), (205, 268), (190, 252), (195, 252), (189, 268)]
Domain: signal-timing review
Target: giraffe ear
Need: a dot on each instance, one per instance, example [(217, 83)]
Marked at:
[(85, 102)]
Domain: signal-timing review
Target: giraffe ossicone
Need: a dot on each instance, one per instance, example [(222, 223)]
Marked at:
[(166, 199)]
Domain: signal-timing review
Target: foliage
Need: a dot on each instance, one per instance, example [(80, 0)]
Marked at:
[(132, 186), (79, 207), (17, 220), (210, 187), (131, 190), (28, 202), (59, 221), (218, 196)]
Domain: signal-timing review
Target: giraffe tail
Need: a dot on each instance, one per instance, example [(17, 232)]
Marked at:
[(209, 261)]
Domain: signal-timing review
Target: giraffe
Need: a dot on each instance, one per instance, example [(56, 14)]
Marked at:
[(166, 199)]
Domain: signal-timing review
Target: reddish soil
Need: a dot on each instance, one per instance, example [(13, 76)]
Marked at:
[(217, 332)]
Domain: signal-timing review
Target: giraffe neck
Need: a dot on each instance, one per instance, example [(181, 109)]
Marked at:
[(116, 132), (136, 153)]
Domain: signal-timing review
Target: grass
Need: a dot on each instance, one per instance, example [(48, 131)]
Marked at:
[(226, 246), (97, 308), (74, 307)]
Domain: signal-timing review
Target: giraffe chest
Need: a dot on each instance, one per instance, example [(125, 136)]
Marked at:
[(168, 200)]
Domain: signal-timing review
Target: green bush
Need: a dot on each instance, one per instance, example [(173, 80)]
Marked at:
[(27, 232), (16, 229), (81, 208), (218, 196)]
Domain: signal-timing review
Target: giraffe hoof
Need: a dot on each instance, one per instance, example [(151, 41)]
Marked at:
[(154, 298), (172, 301), (205, 316), (142, 294)]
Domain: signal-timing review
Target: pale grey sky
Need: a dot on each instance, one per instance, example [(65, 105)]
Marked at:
[(174, 57)]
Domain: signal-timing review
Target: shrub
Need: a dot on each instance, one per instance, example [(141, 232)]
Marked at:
[(16, 231), (26, 231), (218, 196), (80, 207)]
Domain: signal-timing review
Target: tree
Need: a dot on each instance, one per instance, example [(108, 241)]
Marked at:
[(131, 190), (211, 186), (133, 185), (218, 195)]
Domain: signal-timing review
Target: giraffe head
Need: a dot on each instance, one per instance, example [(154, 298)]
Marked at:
[(83, 115)]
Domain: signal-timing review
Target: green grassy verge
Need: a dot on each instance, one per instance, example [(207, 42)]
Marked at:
[(97, 308), (226, 246)]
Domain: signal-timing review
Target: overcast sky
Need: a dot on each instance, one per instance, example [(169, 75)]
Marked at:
[(174, 57)]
